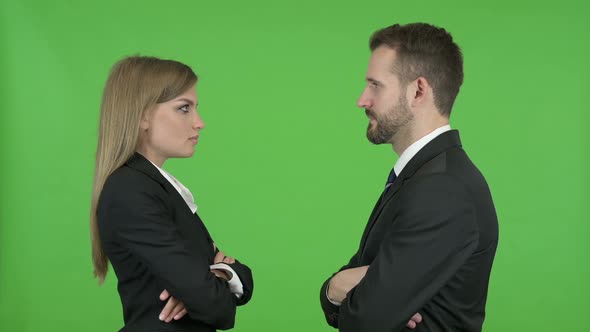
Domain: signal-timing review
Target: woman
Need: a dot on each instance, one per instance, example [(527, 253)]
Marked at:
[(171, 277)]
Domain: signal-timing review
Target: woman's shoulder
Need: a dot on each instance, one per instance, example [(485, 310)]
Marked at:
[(127, 181), (127, 194)]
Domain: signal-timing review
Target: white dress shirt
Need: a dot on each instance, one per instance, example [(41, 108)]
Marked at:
[(413, 149), (235, 284)]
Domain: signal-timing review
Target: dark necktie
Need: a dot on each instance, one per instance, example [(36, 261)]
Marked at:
[(390, 180)]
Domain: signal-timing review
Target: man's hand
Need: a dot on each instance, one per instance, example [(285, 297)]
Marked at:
[(174, 309), (414, 321), (345, 280)]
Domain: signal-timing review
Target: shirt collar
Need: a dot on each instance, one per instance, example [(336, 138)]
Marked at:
[(413, 149), (182, 190)]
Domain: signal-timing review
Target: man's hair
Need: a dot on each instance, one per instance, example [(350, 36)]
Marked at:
[(424, 50)]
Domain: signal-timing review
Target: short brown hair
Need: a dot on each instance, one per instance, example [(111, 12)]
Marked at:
[(424, 50)]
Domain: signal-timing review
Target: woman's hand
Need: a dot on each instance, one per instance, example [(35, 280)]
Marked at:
[(221, 274), (221, 258)]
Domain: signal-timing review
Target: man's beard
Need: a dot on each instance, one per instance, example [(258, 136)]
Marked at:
[(389, 124)]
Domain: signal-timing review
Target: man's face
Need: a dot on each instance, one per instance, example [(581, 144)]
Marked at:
[(384, 98)]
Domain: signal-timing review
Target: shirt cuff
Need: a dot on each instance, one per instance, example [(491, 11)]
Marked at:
[(333, 302), (235, 284)]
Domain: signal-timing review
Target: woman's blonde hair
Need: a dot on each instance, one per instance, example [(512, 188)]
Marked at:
[(134, 87)]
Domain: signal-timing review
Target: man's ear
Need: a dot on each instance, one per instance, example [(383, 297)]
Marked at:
[(418, 91)]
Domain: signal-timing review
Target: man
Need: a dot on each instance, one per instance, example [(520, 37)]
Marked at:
[(426, 254)]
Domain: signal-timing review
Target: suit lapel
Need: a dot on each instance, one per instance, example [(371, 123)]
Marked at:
[(140, 163), (435, 147)]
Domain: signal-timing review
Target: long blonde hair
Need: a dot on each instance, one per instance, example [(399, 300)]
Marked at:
[(135, 85)]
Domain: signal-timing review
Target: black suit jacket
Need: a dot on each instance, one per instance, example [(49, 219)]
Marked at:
[(155, 242), (430, 242)]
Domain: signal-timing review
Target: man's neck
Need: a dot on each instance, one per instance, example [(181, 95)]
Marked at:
[(415, 131)]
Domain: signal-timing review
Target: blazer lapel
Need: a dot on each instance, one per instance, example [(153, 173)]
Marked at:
[(435, 147), (140, 163), (383, 199)]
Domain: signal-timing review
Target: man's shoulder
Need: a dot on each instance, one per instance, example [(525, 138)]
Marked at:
[(453, 164)]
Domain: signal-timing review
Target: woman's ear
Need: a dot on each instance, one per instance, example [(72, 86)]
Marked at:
[(144, 124)]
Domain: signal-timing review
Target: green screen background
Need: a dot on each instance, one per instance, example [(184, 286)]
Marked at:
[(283, 174)]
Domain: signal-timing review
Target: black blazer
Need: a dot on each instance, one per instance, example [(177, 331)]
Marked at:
[(430, 242), (155, 242)]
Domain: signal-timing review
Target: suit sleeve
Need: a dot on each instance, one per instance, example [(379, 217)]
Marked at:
[(245, 275), (330, 309), (144, 225), (431, 238)]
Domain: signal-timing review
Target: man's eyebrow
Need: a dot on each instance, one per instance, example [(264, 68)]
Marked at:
[(372, 80)]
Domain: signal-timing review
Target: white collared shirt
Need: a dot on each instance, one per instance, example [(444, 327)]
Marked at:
[(235, 284), (413, 149), (182, 190)]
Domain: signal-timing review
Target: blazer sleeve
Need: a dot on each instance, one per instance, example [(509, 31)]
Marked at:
[(330, 309), (141, 221), (245, 275), (431, 238)]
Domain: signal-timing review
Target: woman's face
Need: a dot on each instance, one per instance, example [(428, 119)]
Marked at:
[(171, 130)]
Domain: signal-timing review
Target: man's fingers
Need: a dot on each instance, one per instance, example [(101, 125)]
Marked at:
[(417, 318), (168, 308), (165, 295), (180, 314), (175, 311), (414, 321)]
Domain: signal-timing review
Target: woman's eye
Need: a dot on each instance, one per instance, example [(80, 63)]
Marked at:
[(184, 108)]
